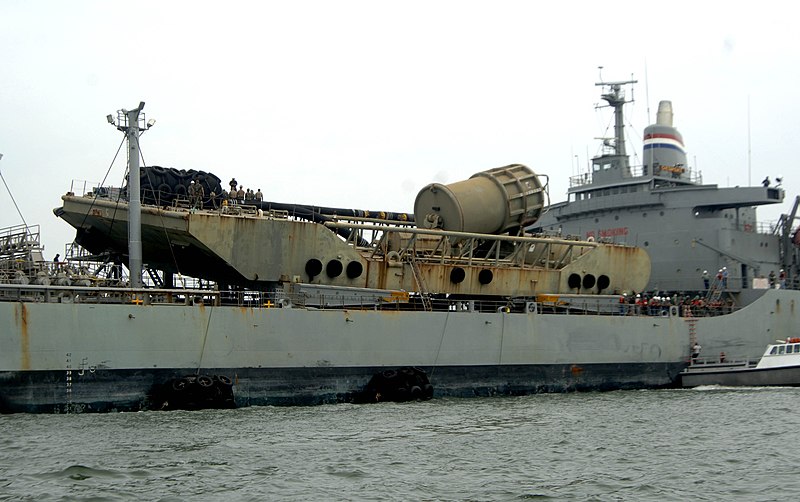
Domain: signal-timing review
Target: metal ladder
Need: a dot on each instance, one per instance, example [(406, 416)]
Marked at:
[(155, 277), (423, 289), (715, 291)]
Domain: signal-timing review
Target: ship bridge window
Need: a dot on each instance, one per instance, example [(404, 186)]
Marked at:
[(781, 349), (797, 349), (773, 351), (789, 349)]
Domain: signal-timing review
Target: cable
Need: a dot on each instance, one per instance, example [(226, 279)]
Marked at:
[(96, 195), (15, 203), (160, 213)]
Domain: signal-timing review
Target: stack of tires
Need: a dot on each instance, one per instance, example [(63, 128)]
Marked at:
[(162, 185), (404, 384), (194, 392)]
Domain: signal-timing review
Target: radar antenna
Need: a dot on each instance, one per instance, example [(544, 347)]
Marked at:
[(614, 95)]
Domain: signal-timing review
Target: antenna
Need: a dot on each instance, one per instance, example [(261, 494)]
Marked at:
[(749, 166), (647, 92)]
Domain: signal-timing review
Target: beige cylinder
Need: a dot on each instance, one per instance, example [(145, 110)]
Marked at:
[(490, 202)]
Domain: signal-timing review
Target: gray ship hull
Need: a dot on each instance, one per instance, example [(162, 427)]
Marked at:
[(132, 390), (85, 357)]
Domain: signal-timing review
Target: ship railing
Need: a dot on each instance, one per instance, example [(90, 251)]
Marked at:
[(95, 189), (258, 300), (711, 363), (106, 295), (19, 240), (393, 300), (459, 248), (87, 188), (641, 171)]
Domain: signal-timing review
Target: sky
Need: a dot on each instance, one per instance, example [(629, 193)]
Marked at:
[(360, 104)]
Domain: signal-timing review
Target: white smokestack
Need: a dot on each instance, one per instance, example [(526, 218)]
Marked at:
[(664, 116)]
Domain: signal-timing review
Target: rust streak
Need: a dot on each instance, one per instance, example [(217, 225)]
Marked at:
[(24, 340)]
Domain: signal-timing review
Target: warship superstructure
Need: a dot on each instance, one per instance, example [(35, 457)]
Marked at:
[(688, 227), (299, 305)]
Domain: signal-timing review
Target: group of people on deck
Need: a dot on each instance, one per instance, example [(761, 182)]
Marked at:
[(240, 195), (721, 279), (658, 304), (778, 281)]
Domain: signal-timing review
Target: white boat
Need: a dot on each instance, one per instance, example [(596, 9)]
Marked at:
[(780, 365)]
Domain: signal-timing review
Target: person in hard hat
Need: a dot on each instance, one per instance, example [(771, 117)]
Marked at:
[(196, 194), (191, 191), (706, 279)]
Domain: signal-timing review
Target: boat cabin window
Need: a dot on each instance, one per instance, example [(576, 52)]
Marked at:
[(781, 349), (789, 349), (797, 349), (773, 351)]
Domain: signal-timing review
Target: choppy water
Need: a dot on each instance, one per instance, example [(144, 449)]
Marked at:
[(700, 444)]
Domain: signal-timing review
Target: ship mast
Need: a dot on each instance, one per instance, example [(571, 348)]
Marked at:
[(616, 99), (128, 123)]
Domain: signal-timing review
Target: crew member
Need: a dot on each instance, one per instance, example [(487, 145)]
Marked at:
[(696, 352)]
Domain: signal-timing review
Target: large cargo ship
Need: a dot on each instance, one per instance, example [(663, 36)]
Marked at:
[(301, 305)]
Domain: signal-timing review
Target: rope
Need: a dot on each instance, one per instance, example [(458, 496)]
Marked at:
[(205, 338), (101, 184), (15, 203), (441, 342)]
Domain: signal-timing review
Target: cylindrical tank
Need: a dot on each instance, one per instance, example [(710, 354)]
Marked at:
[(490, 202)]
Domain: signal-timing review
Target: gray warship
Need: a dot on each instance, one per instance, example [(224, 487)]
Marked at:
[(686, 226), (295, 305), (689, 228)]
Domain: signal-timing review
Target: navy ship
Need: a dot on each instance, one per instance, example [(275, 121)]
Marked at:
[(688, 227), (293, 304)]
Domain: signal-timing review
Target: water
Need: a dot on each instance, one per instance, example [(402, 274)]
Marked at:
[(700, 444)]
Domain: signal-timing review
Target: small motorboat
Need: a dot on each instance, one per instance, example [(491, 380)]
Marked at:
[(779, 366)]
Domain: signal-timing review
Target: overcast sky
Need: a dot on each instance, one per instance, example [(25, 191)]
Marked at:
[(361, 104)]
